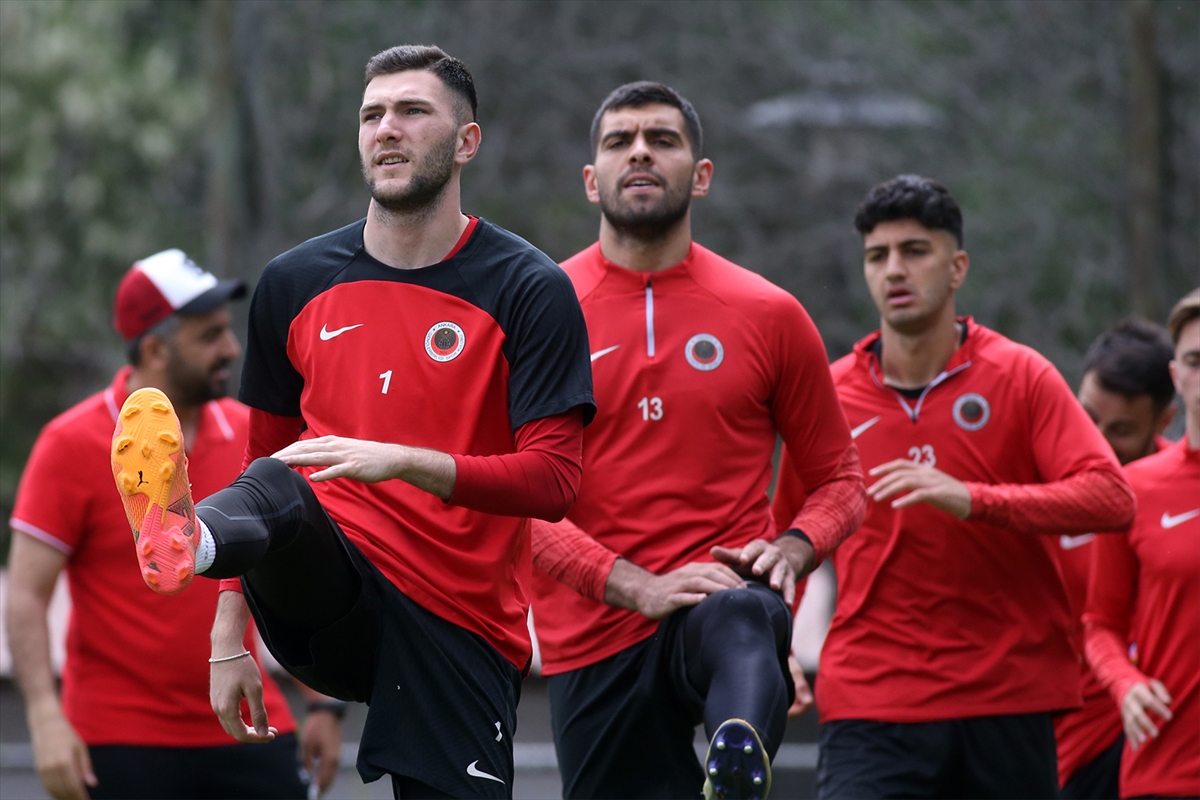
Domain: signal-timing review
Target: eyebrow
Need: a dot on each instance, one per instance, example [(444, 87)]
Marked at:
[(648, 131), (920, 240), (374, 105)]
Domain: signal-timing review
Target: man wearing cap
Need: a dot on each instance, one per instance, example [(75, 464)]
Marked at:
[(135, 679)]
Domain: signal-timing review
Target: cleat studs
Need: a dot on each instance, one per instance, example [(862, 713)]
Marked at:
[(145, 451), (146, 547), (160, 407), (132, 411), (167, 472), (183, 573), (758, 780), (713, 771), (720, 745), (748, 749), (168, 437), (151, 579), (123, 443), (177, 544), (128, 483)]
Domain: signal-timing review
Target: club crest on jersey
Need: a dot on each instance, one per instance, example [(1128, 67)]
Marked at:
[(704, 352), (444, 341), (972, 412)]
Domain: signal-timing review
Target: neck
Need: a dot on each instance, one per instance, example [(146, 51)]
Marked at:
[(415, 239), (189, 415), (913, 359), (642, 254)]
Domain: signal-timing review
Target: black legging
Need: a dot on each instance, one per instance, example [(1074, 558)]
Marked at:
[(735, 665), (270, 528)]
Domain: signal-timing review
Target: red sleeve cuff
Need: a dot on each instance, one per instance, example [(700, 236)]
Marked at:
[(540, 480), (833, 510), (231, 585), (566, 553)]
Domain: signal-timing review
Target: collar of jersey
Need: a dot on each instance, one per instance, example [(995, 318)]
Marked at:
[(863, 349), (625, 278)]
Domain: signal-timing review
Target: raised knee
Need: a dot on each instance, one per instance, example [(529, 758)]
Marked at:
[(733, 605)]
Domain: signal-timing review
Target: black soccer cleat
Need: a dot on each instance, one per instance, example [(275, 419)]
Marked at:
[(736, 766)]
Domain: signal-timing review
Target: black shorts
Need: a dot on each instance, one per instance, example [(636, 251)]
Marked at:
[(625, 726), (442, 700), (134, 772), (1098, 778), (1010, 756)]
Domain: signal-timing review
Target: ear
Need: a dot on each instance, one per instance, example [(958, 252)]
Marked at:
[(960, 264), (589, 184), (469, 137), (156, 354), (702, 177)]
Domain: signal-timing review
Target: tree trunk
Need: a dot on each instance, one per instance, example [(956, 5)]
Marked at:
[(1145, 159)]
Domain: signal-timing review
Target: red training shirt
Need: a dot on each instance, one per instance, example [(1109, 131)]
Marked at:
[(696, 369), (136, 669), (941, 618), (1145, 591)]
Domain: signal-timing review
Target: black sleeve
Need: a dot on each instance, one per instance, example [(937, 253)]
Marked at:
[(546, 344), (269, 381)]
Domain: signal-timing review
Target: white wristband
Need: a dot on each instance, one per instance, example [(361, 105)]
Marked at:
[(229, 658)]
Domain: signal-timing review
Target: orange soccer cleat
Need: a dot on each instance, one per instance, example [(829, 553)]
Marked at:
[(150, 467)]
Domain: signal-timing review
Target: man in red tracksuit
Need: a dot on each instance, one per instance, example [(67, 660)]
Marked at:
[(698, 366), (1143, 606), (1126, 389), (950, 647)]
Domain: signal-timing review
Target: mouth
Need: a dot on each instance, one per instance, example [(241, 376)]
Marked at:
[(641, 182), (899, 296), (390, 160)]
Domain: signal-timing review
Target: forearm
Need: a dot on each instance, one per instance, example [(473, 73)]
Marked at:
[(429, 470), (568, 554), (1091, 501), (29, 642), (1107, 655), (831, 512), (625, 583), (229, 624)]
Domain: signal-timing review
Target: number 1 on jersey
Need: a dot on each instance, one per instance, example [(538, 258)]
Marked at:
[(387, 380), (651, 408)]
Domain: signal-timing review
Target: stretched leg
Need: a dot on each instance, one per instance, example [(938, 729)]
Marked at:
[(735, 649), (269, 527), (736, 646)]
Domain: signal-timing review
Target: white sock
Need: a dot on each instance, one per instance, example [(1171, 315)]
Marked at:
[(206, 553)]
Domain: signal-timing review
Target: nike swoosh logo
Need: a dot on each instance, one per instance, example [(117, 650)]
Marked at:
[(1071, 542), (604, 352), (478, 773), (1170, 522), (327, 335), (857, 432)]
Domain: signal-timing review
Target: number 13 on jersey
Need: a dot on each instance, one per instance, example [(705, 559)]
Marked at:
[(651, 407)]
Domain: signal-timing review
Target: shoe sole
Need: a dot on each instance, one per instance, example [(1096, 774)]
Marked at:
[(736, 765), (148, 459)]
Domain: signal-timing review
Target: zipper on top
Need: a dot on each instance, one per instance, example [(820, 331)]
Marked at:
[(649, 318)]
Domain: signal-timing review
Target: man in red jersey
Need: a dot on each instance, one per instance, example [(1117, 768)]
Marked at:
[(1126, 389), (434, 367), (1143, 607), (699, 365), (125, 664), (950, 646)]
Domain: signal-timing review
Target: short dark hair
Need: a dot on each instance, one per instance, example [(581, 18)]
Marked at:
[(648, 93), (910, 197), (430, 58), (1131, 359), (1186, 310)]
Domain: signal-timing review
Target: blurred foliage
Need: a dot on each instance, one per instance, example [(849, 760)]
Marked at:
[(1019, 107)]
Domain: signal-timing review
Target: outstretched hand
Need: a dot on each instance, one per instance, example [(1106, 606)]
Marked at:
[(919, 483), (229, 683), (361, 460)]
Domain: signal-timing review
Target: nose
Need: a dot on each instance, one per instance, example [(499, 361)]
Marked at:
[(230, 346), (640, 152), (388, 130), (895, 266)]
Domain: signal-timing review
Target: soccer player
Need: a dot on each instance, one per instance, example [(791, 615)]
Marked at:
[(699, 365), (1143, 607), (950, 646), (1127, 391), (135, 682), (434, 367)]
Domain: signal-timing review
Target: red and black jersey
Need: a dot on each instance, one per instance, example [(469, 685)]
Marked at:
[(453, 357), (698, 368), (941, 618), (1144, 600)]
